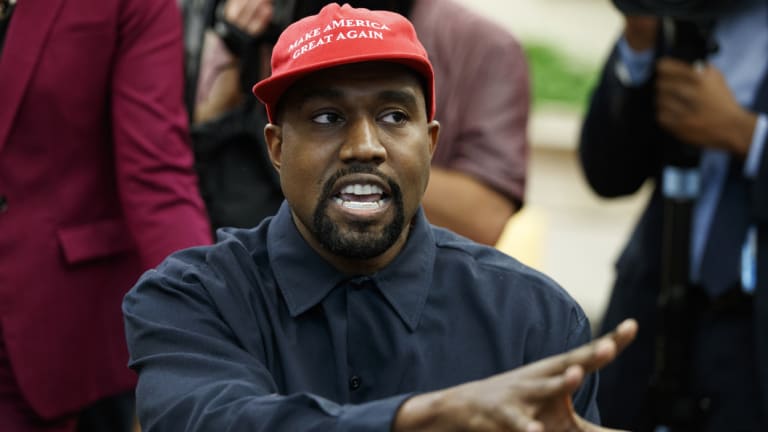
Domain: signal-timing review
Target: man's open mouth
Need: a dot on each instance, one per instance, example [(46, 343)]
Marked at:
[(361, 196)]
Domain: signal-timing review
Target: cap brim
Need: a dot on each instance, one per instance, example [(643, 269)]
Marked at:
[(269, 90)]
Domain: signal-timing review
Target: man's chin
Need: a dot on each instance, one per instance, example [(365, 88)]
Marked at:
[(359, 239), (354, 242), (358, 231)]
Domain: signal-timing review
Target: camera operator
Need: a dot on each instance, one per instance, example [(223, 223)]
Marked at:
[(718, 107)]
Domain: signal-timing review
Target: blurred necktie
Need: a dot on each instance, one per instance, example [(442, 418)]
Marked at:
[(720, 264)]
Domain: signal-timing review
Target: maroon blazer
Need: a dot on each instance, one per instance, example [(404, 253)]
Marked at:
[(97, 175)]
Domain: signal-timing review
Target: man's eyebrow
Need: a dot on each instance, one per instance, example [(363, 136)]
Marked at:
[(399, 96), (320, 93)]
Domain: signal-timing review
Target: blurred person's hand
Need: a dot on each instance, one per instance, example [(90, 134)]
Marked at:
[(221, 62), (695, 104), (640, 31), (250, 16)]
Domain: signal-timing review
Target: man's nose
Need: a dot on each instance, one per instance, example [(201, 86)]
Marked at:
[(362, 143)]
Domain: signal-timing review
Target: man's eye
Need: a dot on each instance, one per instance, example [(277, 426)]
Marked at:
[(394, 117), (326, 118)]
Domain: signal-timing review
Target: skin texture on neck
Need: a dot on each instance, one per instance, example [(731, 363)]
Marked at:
[(361, 126)]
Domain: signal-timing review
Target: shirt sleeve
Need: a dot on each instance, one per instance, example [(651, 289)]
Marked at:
[(194, 375), (633, 68), (153, 158), (502, 108), (757, 147), (756, 168), (620, 145), (487, 115)]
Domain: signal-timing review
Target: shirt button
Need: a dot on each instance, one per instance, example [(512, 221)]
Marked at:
[(355, 382), (3, 204)]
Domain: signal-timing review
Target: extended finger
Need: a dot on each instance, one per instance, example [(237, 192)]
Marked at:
[(547, 387), (590, 356), (511, 417), (623, 334)]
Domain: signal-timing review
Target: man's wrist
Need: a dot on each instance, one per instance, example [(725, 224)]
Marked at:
[(738, 138), (418, 413)]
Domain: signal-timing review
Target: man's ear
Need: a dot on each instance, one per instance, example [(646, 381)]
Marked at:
[(273, 135), (433, 131)]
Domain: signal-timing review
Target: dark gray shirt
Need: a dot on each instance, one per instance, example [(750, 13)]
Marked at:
[(259, 333)]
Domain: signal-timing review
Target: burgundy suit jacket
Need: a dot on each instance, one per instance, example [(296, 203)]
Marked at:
[(98, 176)]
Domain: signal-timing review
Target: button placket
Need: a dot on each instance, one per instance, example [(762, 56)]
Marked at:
[(355, 344)]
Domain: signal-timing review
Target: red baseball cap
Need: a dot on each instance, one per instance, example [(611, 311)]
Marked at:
[(341, 35)]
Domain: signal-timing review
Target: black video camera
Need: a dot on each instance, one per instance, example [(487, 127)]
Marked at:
[(690, 10)]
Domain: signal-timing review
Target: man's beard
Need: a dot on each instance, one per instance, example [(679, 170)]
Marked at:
[(358, 241)]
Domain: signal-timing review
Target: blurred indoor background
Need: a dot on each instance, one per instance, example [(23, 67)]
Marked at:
[(564, 229)]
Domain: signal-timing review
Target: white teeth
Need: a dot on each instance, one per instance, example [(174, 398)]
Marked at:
[(354, 205), (362, 189), (359, 189), (359, 205)]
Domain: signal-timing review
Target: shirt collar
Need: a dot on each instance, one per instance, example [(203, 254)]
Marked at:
[(305, 278)]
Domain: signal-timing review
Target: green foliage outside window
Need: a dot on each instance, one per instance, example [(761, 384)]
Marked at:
[(557, 78)]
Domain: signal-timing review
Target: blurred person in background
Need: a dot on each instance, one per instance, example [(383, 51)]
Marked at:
[(719, 108), (96, 186), (227, 43), (479, 169)]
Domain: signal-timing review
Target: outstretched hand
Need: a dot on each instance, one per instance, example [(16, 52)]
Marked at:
[(532, 398)]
